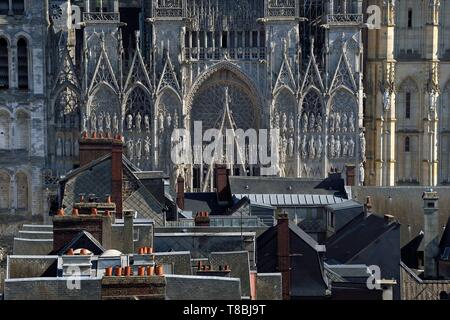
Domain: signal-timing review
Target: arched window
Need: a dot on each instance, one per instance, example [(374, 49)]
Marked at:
[(22, 62), (22, 191), (4, 190), (23, 130), (18, 6), (407, 144), (5, 124), (4, 64), (408, 105)]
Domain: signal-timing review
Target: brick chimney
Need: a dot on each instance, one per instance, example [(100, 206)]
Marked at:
[(431, 232), (180, 192), (94, 148), (284, 260), (222, 184), (368, 206), (350, 175)]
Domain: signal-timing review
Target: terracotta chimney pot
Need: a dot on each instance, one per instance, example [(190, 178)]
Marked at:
[(150, 271), (118, 271), (108, 272)]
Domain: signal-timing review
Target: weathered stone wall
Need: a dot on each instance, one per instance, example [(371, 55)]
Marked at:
[(51, 289), (181, 261), (29, 266), (406, 205), (202, 288), (268, 286)]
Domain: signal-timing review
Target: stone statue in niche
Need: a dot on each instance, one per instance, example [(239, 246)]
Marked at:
[(284, 122), (108, 122), (312, 150), (147, 145), (331, 147), (337, 125), (344, 147), (362, 145), (138, 149), (291, 146), (161, 121), (100, 122), (304, 146), (147, 122), (338, 147), (319, 123), (276, 120), (344, 122), (331, 122), (129, 121), (386, 99), (93, 122), (169, 120), (351, 148), (115, 123), (291, 122), (84, 123), (361, 174), (312, 122), (319, 148), (138, 122), (130, 149), (351, 122), (305, 122)]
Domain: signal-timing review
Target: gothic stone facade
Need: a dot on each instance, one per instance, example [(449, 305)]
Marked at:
[(407, 85), (184, 56), (23, 27), (142, 69)]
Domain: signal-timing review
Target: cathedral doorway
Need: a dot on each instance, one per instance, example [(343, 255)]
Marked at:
[(225, 100)]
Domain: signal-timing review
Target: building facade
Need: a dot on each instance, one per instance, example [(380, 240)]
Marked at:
[(407, 86), (23, 29), (229, 64), (144, 68)]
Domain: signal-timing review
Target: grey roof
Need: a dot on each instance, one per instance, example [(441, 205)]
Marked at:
[(204, 201), (292, 199), (267, 185), (344, 205), (306, 237), (151, 175)]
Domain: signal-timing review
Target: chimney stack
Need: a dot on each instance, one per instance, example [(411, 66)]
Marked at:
[(368, 206), (180, 192), (222, 185), (284, 260), (94, 148), (128, 232), (431, 232)]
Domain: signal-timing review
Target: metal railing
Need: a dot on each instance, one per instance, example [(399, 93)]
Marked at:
[(101, 16), (344, 18), (220, 53)]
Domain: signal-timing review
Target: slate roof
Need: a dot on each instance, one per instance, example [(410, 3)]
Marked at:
[(285, 185), (308, 277), (95, 178), (292, 199), (204, 201), (357, 235), (445, 240), (85, 240)]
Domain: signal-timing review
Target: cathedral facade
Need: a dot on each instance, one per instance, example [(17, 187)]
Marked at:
[(370, 103), (174, 68)]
